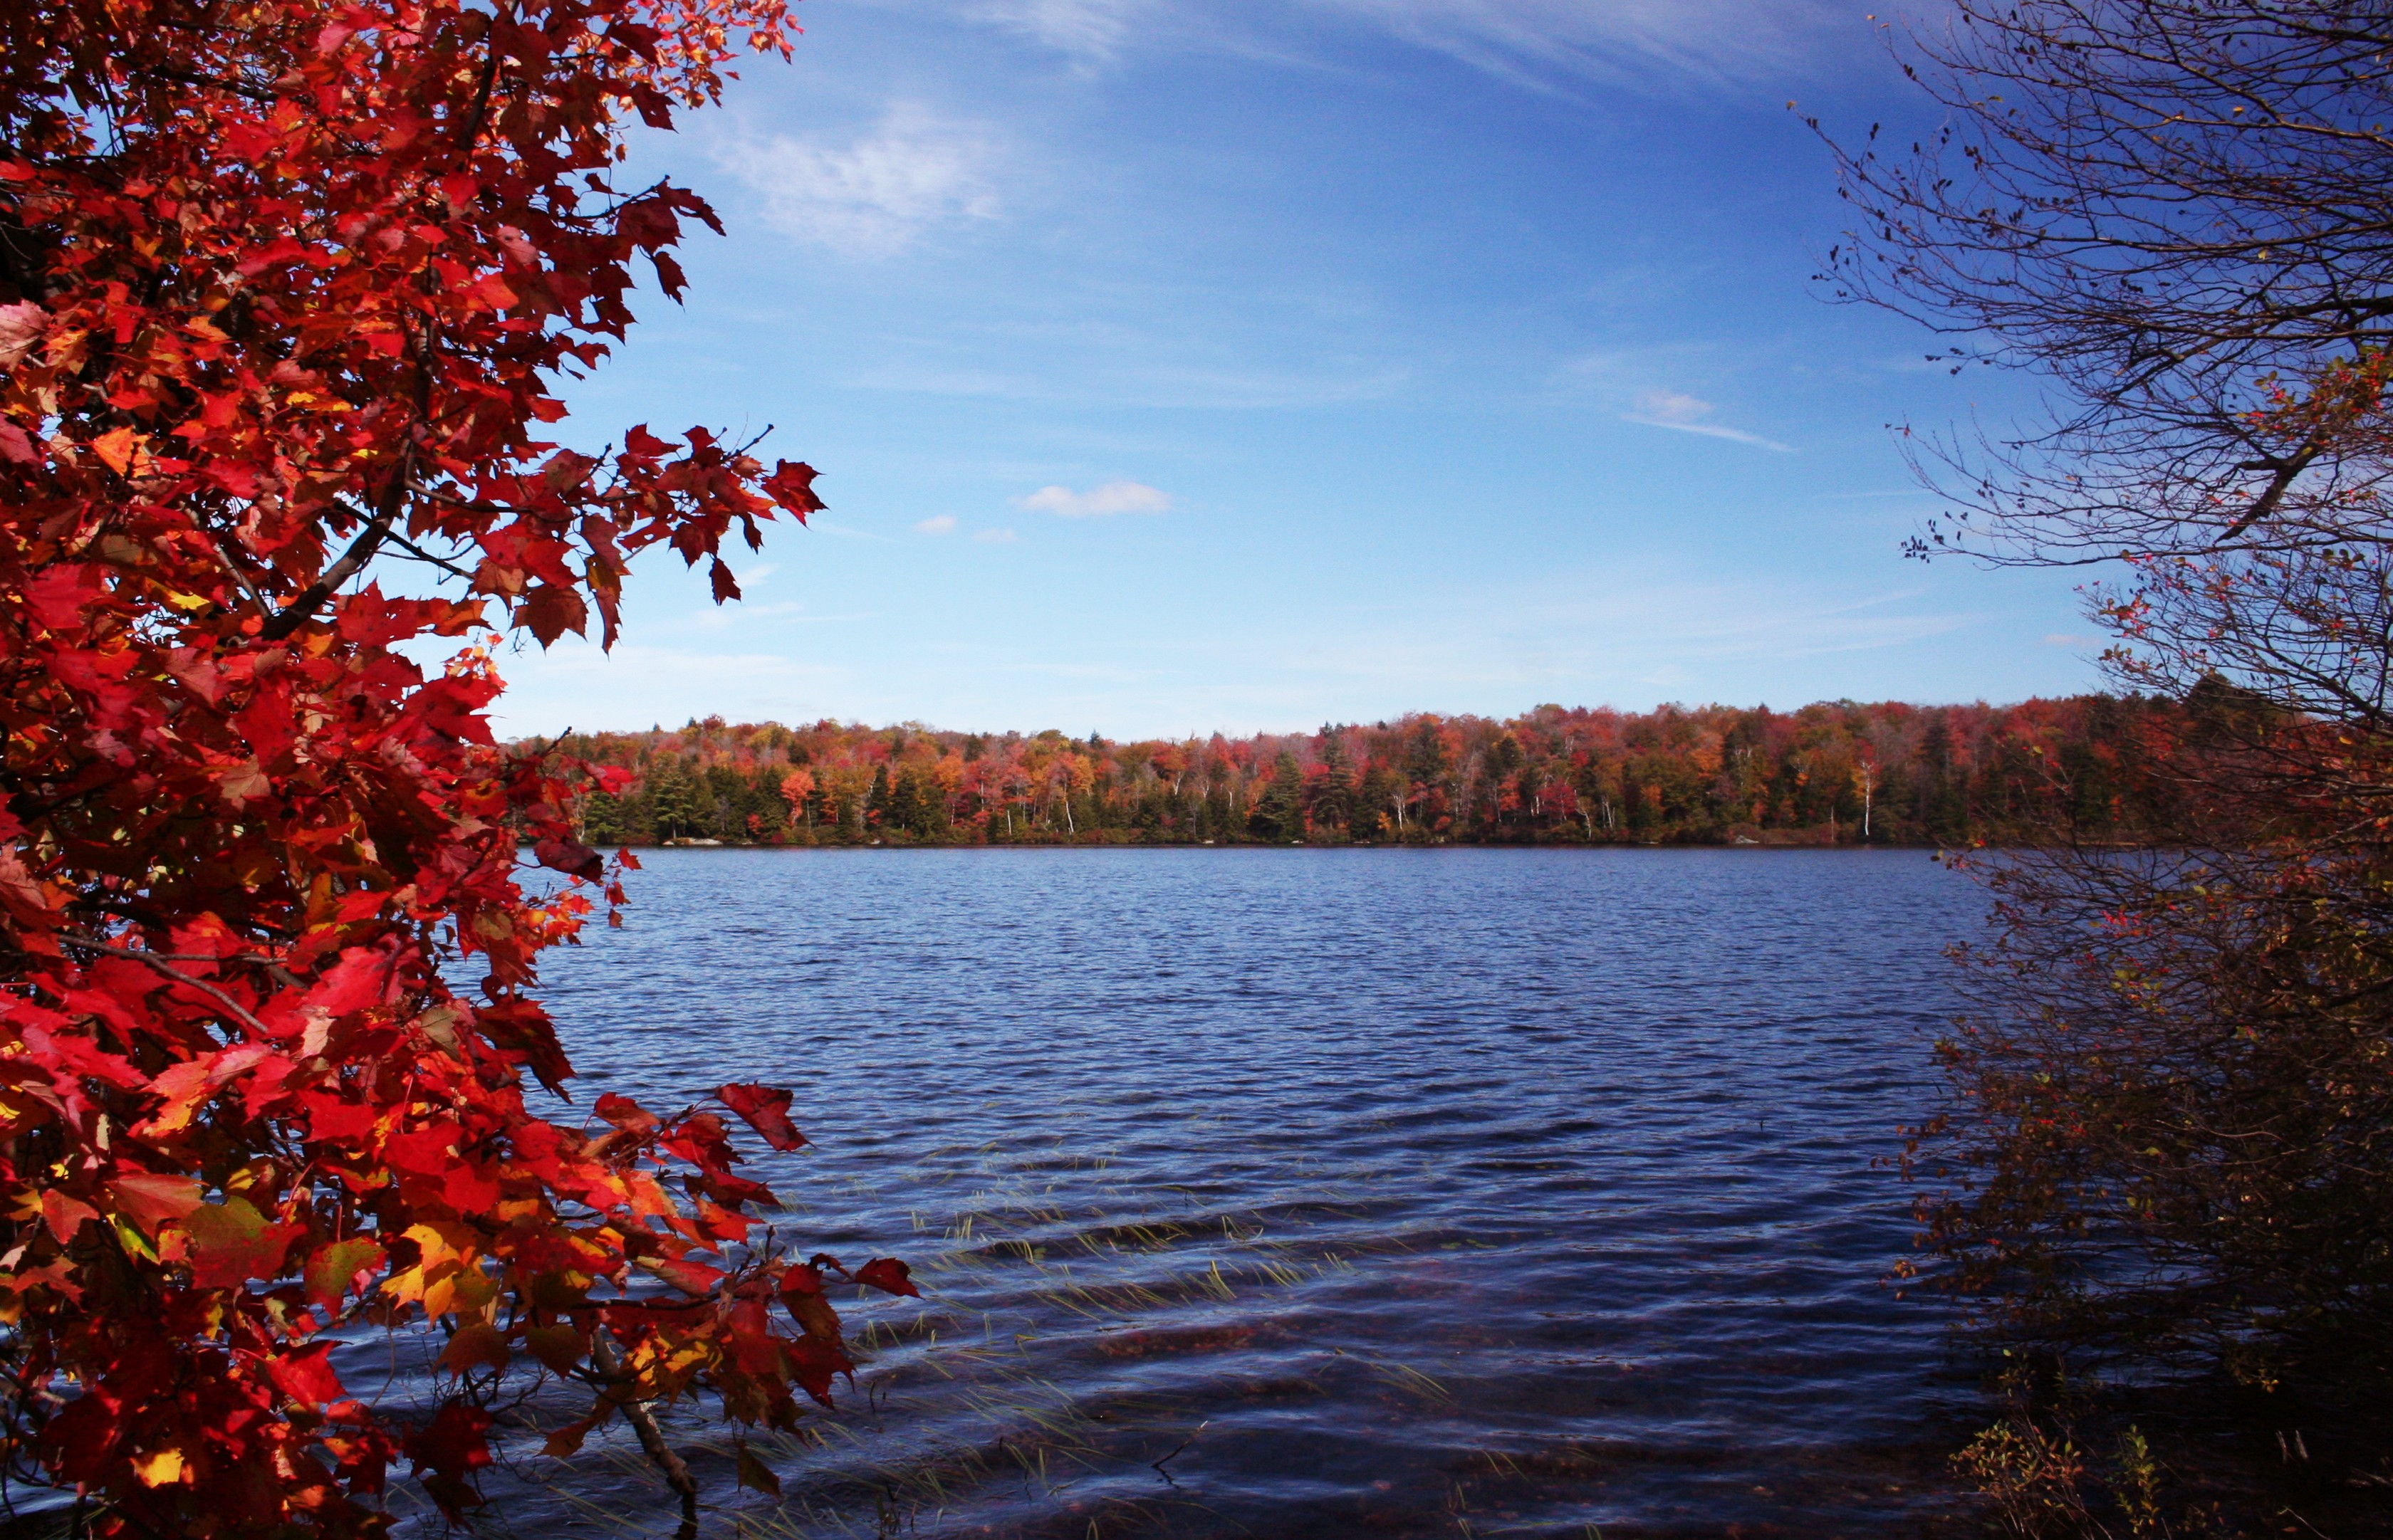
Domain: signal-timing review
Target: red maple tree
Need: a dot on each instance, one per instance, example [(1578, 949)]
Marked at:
[(286, 290)]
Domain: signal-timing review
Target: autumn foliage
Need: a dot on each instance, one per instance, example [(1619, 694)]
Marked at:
[(287, 288), (1834, 773)]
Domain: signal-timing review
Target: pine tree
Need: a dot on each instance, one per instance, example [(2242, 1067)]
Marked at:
[(1279, 810)]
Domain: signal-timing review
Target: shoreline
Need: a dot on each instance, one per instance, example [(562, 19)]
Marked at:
[(795, 845)]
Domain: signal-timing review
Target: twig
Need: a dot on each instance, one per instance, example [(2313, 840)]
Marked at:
[(265, 605), (1183, 1444), (420, 553)]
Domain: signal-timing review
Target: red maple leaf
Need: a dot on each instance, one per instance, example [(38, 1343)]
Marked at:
[(766, 1110)]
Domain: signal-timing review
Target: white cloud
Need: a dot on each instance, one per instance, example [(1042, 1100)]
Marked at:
[(1114, 496), (945, 524), (995, 537), (1668, 408), (879, 192)]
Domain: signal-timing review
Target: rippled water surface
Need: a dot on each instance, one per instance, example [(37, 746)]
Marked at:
[(1314, 1192)]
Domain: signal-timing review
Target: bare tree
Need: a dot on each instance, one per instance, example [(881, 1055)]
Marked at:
[(2171, 1117), (2181, 214)]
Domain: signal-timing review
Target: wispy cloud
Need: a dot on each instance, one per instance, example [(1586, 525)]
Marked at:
[(878, 192), (743, 616), (1545, 44), (945, 524), (1668, 408), (1574, 636), (1114, 496), (1123, 375), (1091, 29), (1540, 42), (995, 537)]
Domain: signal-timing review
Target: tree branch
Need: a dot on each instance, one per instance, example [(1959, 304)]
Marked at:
[(2286, 470), (152, 960), (642, 1414), (299, 610)]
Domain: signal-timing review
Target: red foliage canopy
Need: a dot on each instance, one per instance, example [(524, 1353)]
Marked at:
[(285, 287)]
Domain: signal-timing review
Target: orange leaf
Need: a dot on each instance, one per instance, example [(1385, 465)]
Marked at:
[(689, 1277), (119, 448), (307, 1376), (65, 1215), (559, 1346), (568, 1439)]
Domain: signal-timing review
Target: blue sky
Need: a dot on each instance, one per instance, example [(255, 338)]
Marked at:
[(1175, 368)]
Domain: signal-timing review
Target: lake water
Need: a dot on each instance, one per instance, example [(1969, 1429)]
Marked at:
[(1278, 1193)]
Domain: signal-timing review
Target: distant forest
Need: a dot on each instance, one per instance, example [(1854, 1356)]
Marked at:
[(1836, 772)]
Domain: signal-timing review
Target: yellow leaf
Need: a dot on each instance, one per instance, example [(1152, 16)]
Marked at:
[(134, 1242), (441, 1242), (470, 1291), (162, 1468)]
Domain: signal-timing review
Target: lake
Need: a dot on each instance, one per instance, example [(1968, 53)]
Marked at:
[(1278, 1193)]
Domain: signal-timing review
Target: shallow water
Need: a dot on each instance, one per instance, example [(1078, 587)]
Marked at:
[(1312, 1192)]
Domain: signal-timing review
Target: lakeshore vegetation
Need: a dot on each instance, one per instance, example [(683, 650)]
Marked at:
[(2086, 769), (2164, 1157)]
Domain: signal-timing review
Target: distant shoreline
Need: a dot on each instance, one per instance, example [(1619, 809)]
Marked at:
[(2040, 772), (1292, 844)]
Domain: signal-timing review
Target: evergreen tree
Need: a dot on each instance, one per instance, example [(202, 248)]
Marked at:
[(1279, 809), (673, 803), (1331, 804)]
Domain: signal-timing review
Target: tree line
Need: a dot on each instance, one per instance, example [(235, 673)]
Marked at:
[(2086, 767)]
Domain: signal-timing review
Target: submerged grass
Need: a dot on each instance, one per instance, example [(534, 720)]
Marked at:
[(961, 1418)]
